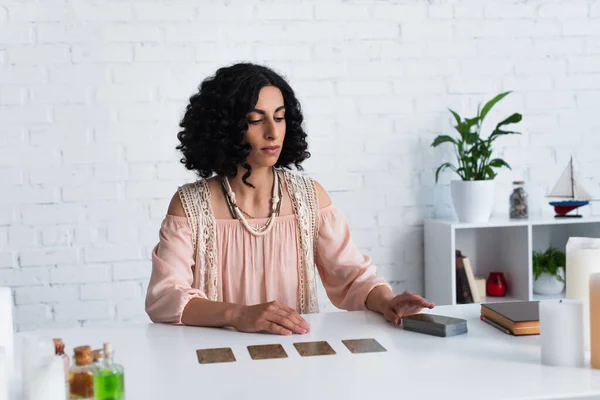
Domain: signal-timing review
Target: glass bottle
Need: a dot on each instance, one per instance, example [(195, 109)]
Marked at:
[(96, 358), (518, 201), (81, 377), (59, 350), (109, 378)]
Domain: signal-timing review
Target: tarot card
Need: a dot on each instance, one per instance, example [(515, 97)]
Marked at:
[(267, 351), (308, 349), (211, 356), (364, 346)]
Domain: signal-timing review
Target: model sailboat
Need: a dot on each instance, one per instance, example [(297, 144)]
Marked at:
[(568, 187)]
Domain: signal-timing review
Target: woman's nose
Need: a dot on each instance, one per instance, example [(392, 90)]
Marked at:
[(271, 130)]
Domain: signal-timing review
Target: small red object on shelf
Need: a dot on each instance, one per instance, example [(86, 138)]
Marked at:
[(496, 284)]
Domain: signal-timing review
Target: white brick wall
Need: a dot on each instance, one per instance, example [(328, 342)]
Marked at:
[(91, 94)]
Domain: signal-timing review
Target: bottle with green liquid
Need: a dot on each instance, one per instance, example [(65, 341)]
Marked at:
[(109, 377)]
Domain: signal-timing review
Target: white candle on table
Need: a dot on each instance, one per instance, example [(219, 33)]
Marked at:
[(561, 332), (583, 259), (3, 374), (35, 352), (7, 327), (47, 380), (595, 319)]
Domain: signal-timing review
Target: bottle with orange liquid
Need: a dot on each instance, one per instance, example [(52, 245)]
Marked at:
[(81, 376)]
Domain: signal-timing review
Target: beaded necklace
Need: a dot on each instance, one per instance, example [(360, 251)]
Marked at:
[(238, 213)]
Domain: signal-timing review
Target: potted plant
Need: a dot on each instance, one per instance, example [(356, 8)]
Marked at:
[(549, 271), (473, 195)]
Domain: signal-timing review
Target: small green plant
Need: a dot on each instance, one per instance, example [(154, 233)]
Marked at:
[(473, 152), (549, 261)]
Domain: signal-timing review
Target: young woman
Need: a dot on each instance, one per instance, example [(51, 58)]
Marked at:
[(243, 245)]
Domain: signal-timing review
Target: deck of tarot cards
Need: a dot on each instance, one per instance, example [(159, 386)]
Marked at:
[(436, 325)]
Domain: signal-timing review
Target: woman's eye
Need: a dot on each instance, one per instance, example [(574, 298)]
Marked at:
[(254, 122), (279, 119)]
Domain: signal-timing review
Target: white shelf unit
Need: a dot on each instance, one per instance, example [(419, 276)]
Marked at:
[(501, 244)]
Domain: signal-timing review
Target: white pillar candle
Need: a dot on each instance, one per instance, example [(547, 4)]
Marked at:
[(35, 351), (595, 319), (47, 380), (561, 334), (583, 259), (3, 374), (7, 327)]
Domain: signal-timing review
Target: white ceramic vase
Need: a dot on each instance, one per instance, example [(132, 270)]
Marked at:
[(473, 200), (549, 285)]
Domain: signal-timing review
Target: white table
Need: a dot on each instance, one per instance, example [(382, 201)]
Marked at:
[(160, 362)]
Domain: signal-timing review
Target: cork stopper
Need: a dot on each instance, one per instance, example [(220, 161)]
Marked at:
[(107, 350), (518, 182), (59, 346), (97, 354), (83, 355)]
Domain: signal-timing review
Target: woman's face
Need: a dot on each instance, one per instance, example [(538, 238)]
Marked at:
[(266, 128)]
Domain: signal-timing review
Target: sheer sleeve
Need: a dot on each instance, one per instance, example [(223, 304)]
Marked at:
[(347, 275), (170, 287)]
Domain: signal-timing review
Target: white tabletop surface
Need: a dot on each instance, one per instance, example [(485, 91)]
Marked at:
[(160, 362)]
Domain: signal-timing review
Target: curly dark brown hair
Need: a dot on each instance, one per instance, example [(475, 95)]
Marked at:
[(213, 135)]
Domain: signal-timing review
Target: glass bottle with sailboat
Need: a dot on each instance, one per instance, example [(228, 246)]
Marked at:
[(568, 187)]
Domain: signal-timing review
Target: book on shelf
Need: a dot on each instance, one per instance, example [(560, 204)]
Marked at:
[(471, 279), (467, 285), (464, 294), (481, 287), (519, 317)]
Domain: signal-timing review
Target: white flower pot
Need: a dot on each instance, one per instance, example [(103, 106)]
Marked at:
[(473, 200), (548, 284)]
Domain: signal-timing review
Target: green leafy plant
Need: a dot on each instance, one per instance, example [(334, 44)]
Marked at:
[(473, 152), (549, 261)]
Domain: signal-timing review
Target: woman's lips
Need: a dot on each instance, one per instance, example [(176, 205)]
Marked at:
[(271, 149)]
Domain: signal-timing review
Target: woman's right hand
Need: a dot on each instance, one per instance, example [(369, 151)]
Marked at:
[(271, 317)]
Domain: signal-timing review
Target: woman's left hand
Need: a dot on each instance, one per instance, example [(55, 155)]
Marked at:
[(405, 304)]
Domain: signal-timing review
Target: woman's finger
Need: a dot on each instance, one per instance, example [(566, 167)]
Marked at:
[(412, 308), (392, 316), (287, 308), (286, 323), (294, 316), (426, 303), (416, 299), (274, 328)]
